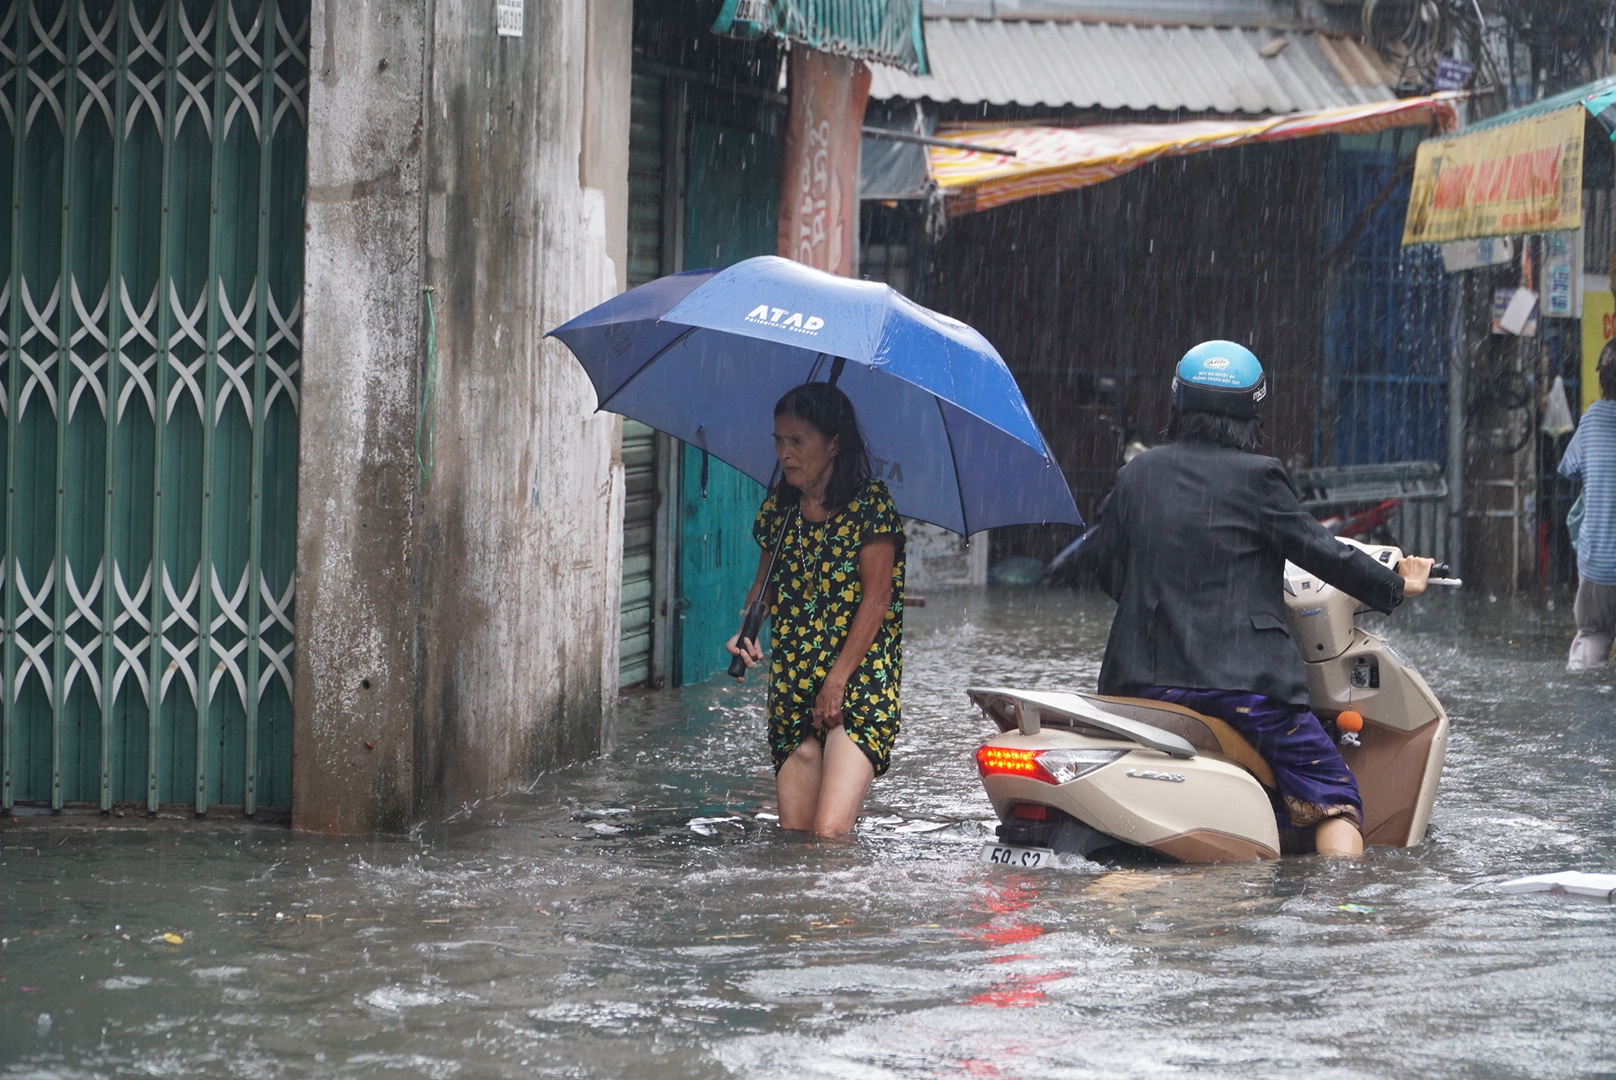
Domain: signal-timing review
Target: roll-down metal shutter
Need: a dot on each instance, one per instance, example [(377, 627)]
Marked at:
[(152, 165), (639, 441)]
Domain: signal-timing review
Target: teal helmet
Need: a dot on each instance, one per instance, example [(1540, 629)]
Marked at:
[(1219, 377)]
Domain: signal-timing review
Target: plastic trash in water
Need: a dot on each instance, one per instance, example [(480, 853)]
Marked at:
[(1557, 411), (707, 826), (919, 826), (1574, 882)]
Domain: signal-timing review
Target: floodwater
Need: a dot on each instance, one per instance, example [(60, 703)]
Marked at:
[(641, 916)]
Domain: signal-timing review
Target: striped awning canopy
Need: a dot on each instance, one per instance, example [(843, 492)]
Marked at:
[(1048, 160)]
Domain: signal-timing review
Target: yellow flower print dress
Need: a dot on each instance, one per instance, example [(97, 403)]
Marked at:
[(817, 593)]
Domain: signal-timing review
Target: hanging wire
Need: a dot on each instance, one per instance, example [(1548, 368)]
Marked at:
[(426, 421)]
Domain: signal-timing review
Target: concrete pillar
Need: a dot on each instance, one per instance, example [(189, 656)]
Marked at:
[(354, 701), (485, 601)]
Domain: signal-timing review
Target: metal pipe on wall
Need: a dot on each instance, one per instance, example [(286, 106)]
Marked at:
[(1458, 362)]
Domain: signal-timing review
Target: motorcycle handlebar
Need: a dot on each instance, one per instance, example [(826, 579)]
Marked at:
[(1442, 574)]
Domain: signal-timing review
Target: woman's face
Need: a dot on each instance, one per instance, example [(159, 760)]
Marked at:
[(806, 456)]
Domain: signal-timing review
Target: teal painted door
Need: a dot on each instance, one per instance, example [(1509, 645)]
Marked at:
[(152, 166), (731, 211)]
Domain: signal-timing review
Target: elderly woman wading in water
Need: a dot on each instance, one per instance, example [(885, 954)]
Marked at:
[(836, 608)]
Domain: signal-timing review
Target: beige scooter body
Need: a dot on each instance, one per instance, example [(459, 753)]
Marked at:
[(1077, 773)]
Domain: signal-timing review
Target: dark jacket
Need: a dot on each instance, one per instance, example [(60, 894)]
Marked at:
[(1191, 544)]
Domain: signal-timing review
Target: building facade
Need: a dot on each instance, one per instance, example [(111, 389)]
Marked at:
[(307, 518)]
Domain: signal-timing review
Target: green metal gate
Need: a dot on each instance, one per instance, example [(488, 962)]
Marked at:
[(153, 167)]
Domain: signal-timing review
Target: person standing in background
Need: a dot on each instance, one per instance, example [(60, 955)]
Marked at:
[(1591, 456)]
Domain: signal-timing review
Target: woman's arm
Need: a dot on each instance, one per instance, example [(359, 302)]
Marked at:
[(753, 653), (875, 563)]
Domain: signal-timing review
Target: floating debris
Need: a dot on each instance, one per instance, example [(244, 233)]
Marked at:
[(920, 826), (708, 826), (1573, 882)]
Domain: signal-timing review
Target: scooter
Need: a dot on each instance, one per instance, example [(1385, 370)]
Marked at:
[(1077, 773)]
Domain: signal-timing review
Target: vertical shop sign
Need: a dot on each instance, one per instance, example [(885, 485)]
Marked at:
[(819, 179), (1562, 273)]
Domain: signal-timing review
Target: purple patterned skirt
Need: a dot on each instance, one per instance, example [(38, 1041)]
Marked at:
[(1312, 778)]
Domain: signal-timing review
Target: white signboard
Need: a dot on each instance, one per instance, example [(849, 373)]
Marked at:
[(1471, 254), (508, 16)]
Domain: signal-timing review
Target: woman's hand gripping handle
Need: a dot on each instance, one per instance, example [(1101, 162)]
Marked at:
[(743, 646)]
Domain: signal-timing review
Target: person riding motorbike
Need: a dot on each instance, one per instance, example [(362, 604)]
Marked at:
[(1191, 543)]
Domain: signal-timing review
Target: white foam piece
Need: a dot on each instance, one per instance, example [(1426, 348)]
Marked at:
[(1575, 882)]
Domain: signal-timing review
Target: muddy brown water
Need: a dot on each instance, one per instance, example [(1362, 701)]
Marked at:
[(598, 926)]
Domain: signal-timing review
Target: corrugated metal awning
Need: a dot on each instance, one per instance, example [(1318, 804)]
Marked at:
[(1108, 66), (880, 31), (1598, 97)]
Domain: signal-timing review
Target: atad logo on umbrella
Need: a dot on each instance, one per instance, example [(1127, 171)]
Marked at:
[(764, 315)]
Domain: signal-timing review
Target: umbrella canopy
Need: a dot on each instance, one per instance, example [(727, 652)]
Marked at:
[(705, 355)]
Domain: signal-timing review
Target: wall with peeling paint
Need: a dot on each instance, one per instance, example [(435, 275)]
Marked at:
[(457, 634)]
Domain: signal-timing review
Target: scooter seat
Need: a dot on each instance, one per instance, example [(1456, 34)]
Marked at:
[(1205, 733)]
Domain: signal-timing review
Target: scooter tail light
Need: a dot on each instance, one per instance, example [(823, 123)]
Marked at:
[(1008, 761), (1048, 766)]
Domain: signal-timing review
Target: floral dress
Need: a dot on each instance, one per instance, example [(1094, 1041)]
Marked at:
[(817, 592)]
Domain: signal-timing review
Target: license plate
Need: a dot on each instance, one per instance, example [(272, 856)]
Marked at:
[(1010, 855)]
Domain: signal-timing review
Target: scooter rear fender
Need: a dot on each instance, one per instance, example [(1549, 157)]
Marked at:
[(1200, 809)]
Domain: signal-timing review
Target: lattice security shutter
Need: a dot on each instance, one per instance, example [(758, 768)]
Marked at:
[(152, 162)]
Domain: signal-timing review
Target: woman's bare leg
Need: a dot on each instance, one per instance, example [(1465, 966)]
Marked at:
[(1337, 836), (797, 785), (845, 780)]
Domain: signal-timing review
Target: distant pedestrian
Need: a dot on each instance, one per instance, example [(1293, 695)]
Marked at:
[(836, 613), (1592, 456)]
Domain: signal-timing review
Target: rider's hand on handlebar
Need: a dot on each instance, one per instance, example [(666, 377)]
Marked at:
[(1415, 572)]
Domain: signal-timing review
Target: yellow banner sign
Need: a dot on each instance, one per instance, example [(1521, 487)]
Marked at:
[(1524, 177)]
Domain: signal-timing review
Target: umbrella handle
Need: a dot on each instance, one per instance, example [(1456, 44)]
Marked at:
[(757, 610), (751, 626)]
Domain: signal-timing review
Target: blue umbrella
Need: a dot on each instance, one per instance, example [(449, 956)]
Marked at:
[(704, 356)]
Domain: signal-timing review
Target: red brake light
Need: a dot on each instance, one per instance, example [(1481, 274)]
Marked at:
[(1008, 761)]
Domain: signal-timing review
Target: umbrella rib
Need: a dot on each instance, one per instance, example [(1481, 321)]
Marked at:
[(641, 369), (953, 457)]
